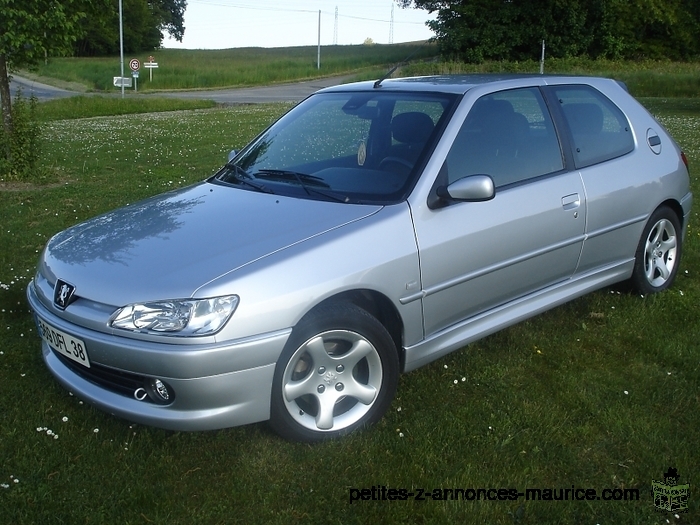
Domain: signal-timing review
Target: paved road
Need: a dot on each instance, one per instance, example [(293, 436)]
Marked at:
[(39, 90), (291, 92)]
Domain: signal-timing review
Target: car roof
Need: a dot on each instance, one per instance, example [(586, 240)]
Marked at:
[(460, 84)]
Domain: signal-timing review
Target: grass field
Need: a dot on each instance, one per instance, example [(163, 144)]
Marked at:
[(207, 69), (99, 106), (644, 78), (203, 69), (601, 393)]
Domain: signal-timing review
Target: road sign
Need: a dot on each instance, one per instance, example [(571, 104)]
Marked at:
[(122, 81), (150, 65), (134, 64)]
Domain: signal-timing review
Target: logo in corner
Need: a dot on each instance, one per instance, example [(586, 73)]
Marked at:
[(668, 495), (63, 294)]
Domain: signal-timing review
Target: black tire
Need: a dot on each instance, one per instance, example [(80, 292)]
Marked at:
[(658, 253), (338, 372)]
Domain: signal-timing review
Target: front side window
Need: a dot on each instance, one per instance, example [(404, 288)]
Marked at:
[(508, 135), (349, 147), (599, 129)]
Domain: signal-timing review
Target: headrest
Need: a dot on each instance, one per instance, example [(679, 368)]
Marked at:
[(412, 127)]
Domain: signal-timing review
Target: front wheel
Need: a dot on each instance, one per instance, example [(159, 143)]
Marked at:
[(659, 252), (338, 372)]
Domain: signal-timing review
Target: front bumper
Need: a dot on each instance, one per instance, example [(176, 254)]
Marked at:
[(215, 385)]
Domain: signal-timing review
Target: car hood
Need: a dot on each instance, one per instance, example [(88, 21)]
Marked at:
[(169, 246)]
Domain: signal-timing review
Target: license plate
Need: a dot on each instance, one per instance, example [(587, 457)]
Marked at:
[(66, 345)]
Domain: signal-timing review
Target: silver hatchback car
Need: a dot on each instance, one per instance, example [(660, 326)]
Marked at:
[(372, 229)]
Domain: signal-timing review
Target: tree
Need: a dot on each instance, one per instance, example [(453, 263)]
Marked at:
[(144, 21), (170, 14), (28, 30), (99, 29), (476, 30)]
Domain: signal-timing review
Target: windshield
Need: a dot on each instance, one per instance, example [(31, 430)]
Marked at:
[(350, 147)]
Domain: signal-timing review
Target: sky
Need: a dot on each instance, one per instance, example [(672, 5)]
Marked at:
[(223, 24)]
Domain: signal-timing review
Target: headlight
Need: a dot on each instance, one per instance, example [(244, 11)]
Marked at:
[(185, 317)]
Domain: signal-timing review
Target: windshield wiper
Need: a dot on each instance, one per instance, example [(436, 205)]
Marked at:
[(243, 177), (306, 181), (288, 174)]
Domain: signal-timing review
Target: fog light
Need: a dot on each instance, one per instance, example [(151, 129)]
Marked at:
[(160, 392)]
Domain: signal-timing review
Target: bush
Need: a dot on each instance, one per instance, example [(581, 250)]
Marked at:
[(19, 151)]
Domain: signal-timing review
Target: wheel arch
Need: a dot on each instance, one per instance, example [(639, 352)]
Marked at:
[(675, 207), (298, 413), (656, 261), (377, 305)]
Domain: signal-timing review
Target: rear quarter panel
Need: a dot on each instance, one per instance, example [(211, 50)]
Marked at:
[(623, 192)]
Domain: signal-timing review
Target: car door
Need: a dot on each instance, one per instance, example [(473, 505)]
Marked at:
[(476, 256)]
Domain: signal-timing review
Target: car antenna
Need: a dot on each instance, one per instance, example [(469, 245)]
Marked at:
[(378, 83)]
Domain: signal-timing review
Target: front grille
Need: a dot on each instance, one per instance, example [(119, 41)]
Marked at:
[(124, 383)]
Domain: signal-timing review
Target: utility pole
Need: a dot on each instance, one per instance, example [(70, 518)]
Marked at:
[(542, 60), (318, 60), (391, 25), (121, 46), (335, 28)]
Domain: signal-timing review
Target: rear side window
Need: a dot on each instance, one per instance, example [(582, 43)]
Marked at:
[(599, 129)]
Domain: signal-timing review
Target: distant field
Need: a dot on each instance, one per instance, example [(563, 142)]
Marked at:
[(202, 69), (644, 78), (209, 69)]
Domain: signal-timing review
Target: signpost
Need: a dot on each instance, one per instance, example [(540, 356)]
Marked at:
[(122, 82), (150, 65), (134, 64)]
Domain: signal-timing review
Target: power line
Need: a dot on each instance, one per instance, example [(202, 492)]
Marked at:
[(253, 7), (278, 9)]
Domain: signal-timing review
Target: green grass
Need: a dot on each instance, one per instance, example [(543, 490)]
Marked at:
[(100, 106), (643, 78), (601, 392), (203, 69), (208, 69)]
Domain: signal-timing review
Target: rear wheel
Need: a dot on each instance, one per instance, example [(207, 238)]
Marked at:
[(659, 252), (338, 372)]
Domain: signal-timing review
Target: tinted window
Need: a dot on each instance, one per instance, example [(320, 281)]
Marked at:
[(599, 130), (508, 135)]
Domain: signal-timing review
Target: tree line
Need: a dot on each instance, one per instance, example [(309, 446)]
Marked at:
[(477, 30)]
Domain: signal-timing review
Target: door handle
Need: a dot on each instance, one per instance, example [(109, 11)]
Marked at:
[(570, 202)]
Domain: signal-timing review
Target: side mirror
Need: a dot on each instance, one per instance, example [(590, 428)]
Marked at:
[(473, 188), (231, 154)]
